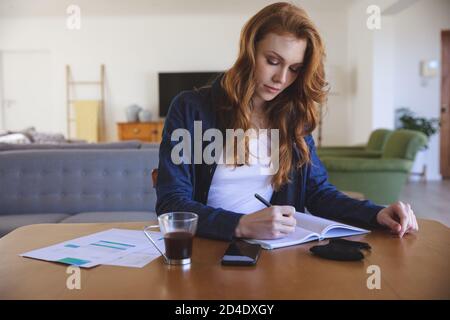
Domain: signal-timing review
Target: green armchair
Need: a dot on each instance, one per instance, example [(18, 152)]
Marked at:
[(379, 179), (373, 149)]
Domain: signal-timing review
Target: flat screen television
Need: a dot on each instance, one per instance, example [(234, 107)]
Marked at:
[(172, 83)]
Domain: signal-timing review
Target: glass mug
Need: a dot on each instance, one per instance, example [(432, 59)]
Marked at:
[(178, 229)]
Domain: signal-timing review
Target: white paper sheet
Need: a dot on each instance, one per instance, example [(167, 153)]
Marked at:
[(119, 247), (140, 259)]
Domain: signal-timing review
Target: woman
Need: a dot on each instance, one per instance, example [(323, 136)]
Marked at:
[(276, 83)]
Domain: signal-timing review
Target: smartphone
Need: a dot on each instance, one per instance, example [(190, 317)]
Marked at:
[(241, 253)]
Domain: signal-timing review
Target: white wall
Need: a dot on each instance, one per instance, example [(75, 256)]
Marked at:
[(379, 67), (383, 75), (384, 67), (135, 48), (333, 26), (360, 66), (417, 37), (370, 61)]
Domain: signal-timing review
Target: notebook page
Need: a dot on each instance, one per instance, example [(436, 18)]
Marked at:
[(300, 235), (338, 232), (325, 227), (313, 223)]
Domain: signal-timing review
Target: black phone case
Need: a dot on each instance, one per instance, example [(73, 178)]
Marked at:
[(239, 263), (244, 245)]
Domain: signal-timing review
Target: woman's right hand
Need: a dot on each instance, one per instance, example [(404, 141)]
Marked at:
[(269, 223)]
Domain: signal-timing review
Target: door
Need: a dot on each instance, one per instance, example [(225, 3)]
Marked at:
[(445, 105), (26, 90)]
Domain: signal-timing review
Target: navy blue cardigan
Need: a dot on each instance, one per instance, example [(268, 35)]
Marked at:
[(185, 187)]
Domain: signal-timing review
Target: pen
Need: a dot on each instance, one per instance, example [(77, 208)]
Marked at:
[(267, 203)]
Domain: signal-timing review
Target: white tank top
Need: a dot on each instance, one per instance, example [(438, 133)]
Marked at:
[(233, 188)]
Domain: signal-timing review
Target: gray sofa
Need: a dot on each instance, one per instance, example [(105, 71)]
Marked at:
[(76, 185), (132, 144)]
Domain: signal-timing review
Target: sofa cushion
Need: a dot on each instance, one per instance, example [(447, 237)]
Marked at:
[(404, 144), (119, 216), (73, 181), (14, 139), (10, 222), (377, 139)]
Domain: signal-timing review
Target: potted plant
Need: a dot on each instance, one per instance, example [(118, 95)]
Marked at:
[(409, 120)]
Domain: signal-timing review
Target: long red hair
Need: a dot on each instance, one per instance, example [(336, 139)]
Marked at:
[(293, 111)]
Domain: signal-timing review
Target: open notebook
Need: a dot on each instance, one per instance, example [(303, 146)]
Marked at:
[(311, 228)]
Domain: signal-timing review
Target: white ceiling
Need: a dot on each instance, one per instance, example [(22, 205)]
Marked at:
[(36, 8)]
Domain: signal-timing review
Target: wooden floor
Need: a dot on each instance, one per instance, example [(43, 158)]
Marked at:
[(429, 200)]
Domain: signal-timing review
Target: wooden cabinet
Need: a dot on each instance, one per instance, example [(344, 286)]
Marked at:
[(144, 131)]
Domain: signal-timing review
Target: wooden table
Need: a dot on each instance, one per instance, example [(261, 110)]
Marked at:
[(415, 267)]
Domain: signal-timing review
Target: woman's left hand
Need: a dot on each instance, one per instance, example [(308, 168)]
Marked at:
[(399, 218)]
